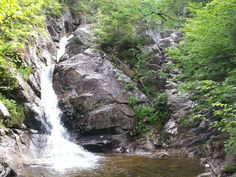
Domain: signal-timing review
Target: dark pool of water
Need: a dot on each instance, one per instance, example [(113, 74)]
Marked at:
[(130, 166)]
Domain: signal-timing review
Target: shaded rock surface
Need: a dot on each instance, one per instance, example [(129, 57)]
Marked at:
[(81, 40), (6, 171), (15, 152), (92, 96)]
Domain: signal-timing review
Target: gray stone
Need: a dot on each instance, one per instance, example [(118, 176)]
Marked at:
[(92, 96), (204, 124), (166, 33), (171, 127), (81, 40), (166, 42), (178, 104), (14, 145), (75, 47), (207, 174), (71, 21), (84, 35), (6, 171), (4, 113)]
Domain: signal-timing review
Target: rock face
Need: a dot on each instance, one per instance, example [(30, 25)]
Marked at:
[(81, 40), (6, 171), (92, 96), (14, 152)]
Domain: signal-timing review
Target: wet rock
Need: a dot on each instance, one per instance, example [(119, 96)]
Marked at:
[(64, 57), (207, 174), (34, 117), (55, 27), (104, 143), (166, 42), (162, 155), (14, 151), (6, 171)]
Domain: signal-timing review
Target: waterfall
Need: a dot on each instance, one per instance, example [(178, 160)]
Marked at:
[(60, 152)]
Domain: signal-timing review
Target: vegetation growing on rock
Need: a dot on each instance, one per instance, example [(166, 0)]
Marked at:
[(20, 21), (207, 57)]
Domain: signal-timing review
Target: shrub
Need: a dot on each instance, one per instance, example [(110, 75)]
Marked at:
[(16, 111)]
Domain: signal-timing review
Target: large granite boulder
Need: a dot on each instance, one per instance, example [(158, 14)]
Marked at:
[(81, 40), (94, 101)]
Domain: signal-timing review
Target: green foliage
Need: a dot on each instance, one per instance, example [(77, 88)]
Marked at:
[(142, 58), (230, 169), (208, 57), (51, 8), (15, 110), (187, 122), (120, 25), (145, 115), (20, 20), (160, 103), (130, 86), (154, 114), (132, 101), (8, 83), (208, 51)]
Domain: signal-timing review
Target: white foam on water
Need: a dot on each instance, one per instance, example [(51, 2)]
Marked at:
[(62, 46)]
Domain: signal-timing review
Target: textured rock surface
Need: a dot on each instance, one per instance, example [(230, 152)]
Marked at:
[(81, 40), (14, 152), (6, 171), (92, 96)]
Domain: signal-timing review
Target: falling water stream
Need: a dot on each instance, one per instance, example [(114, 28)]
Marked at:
[(60, 152)]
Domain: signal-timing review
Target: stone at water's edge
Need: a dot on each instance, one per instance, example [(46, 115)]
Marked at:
[(92, 96), (6, 171)]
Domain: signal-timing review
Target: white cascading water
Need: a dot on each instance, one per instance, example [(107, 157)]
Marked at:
[(62, 46), (60, 152)]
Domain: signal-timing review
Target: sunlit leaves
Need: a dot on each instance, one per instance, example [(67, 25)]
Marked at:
[(19, 21), (208, 59)]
